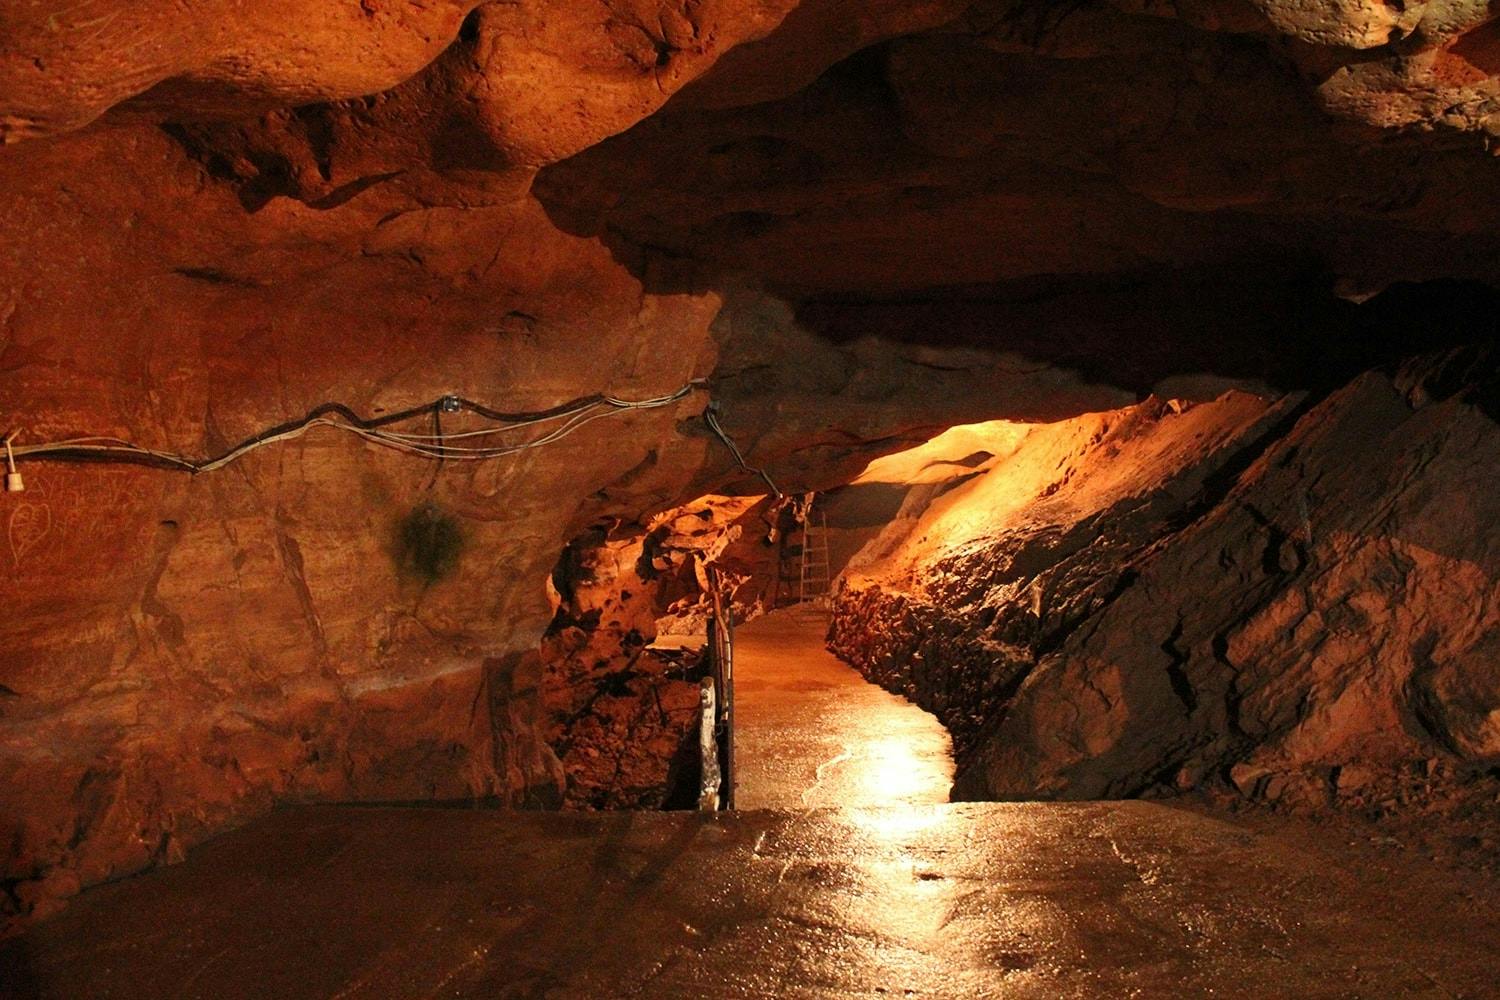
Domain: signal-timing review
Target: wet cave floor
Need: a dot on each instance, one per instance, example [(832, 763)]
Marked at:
[(893, 893), (810, 731)]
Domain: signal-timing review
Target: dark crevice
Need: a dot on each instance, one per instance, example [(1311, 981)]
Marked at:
[(1182, 686)]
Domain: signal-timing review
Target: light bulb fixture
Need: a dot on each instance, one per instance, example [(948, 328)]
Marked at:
[(13, 481)]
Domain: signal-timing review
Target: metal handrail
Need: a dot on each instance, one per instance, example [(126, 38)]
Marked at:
[(716, 737), (710, 781)]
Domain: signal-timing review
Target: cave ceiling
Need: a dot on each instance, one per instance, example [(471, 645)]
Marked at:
[(835, 150)]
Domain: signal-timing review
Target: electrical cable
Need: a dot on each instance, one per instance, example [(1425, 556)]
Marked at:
[(572, 415), (710, 417)]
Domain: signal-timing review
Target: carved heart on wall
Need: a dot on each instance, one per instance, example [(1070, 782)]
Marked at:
[(29, 524)]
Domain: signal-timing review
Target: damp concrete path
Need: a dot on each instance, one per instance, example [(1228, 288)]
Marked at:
[(895, 894), (810, 731), (1036, 900)]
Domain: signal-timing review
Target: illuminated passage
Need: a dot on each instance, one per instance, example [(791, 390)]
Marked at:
[(811, 732)]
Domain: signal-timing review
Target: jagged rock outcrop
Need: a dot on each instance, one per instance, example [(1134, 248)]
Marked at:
[(1320, 633), (622, 716), (990, 567)]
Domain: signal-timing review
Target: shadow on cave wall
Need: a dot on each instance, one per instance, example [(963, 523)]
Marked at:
[(1156, 289), (1291, 332), (865, 198)]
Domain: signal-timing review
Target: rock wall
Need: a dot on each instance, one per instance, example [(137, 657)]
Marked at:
[(622, 715), (180, 652), (1316, 629), (987, 569)]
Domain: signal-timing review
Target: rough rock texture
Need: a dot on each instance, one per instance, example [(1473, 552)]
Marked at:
[(734, 535), (1322, 633), (1013, 536), (1034, 141), (549, 78), (622, 717), (1430, 63), (224, 214)]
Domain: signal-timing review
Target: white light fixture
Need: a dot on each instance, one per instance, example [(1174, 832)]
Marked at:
[(13, 481)]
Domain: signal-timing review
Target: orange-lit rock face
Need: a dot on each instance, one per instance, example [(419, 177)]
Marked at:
[(1027, 535), (64, 65), (1104, 613), (179, 652), (549, 78)]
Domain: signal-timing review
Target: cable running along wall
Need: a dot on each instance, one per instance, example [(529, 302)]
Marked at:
[(559, 421)]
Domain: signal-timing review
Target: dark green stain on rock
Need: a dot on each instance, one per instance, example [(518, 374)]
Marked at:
[(429, 542)]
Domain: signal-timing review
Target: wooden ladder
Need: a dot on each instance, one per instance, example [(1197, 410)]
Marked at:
[(813, 586)]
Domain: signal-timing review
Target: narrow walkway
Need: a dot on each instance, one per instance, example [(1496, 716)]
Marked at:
[(810, 731)]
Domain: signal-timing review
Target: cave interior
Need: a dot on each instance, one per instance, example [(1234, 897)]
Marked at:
[(749, 498)]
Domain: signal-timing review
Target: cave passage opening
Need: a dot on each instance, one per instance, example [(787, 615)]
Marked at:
[(958, 569), (812, 733), (324, 326), (954, 568), (629, 647)]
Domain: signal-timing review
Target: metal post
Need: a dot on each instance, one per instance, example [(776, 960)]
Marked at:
[(721, 652), (729, 769)]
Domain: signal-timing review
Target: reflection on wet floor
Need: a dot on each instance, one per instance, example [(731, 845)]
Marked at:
[(811, 732), (1030, 901)]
